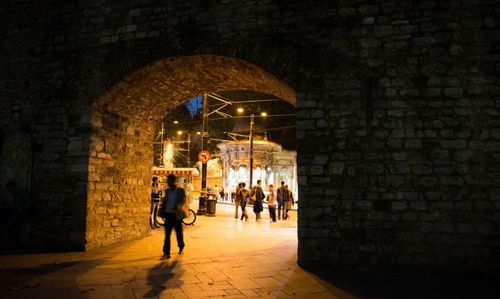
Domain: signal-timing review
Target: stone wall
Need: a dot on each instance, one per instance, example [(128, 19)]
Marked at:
[(397, 110), (119, 180), (402, 156)]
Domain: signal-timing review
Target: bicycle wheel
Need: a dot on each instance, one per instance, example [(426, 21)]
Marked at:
[(190, 219), (160, 221)]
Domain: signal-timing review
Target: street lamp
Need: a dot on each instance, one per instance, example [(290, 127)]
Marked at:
[(179, 133), (202, 202), (252, 122), (202, 207)]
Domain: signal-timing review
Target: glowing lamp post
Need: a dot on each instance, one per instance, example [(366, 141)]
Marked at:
[(252, 122)]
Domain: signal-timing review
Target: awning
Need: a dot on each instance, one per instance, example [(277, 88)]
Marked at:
[(176, 171)]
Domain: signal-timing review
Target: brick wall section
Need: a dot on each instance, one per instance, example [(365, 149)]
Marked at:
[(400, 160), (397, 109), (119, 180)]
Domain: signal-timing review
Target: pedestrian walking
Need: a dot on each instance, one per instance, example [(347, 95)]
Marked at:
[(244, 196), (272, 202), (258, 196), (172, 208), (155, 202), (233, 193), (289, 203), (222, 194), (237, 200), (282, 195)]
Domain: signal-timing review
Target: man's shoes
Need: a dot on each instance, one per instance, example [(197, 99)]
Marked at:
[(165, 256), (181, 250)]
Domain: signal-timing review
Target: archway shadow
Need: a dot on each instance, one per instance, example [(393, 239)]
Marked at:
[(391, 284), (48, 279)]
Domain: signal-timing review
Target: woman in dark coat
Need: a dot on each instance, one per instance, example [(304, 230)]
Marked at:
[(259, 196)]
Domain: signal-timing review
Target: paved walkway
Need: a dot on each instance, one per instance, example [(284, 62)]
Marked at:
[(224, 257)]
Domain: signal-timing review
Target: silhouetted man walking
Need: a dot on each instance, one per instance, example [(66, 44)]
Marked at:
[(172, 206)]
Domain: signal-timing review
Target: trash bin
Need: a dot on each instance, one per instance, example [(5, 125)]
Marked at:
[(211, 204), (202, 205)]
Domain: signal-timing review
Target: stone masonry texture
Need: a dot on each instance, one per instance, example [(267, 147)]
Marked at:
[(398, 126)]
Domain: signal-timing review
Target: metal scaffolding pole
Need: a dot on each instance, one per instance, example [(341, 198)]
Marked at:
[(202, 206), (251, 149), (189, 151), (162, 144)]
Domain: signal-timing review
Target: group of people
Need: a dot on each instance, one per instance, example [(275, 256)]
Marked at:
[(280, 200), (170, 207)]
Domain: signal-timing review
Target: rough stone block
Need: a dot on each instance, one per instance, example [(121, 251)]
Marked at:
[(320, 160), (453, 143), (399, 205), (453, 92), (465, 228), (423, 41), (418, 205)]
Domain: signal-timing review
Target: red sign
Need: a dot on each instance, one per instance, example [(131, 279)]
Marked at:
[(204, 156)]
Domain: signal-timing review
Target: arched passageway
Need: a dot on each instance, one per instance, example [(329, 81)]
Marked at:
[(167, 83), (121, 140)]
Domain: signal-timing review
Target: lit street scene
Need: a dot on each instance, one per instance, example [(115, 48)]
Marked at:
[(250, 149)]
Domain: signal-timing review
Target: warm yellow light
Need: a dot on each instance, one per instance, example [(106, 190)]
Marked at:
[(263, 114), (176, 121), (240, 110), (198, 133), (179, 132)]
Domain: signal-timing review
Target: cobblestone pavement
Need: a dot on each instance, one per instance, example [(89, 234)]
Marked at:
[(224, 257)]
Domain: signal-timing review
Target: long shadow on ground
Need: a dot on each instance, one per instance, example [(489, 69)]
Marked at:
[(31, 282), (162, 277)]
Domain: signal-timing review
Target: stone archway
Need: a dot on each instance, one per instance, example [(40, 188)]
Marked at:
[(121, 140), (167, 83)]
